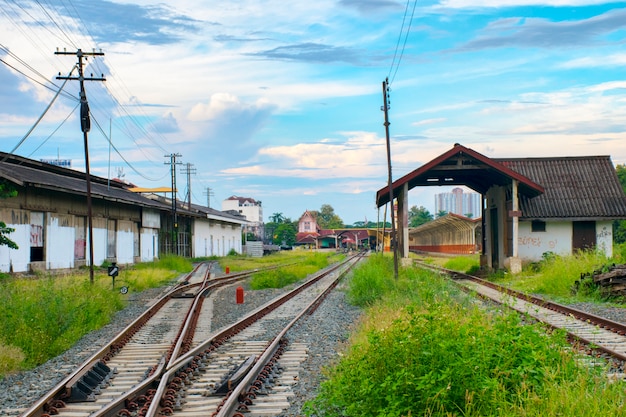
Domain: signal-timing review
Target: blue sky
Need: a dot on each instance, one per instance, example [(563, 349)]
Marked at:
[(281, 101)]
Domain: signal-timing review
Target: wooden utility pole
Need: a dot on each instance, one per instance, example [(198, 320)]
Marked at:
[(85, 125), (394, 240), (208, 193), (189, 170), (172, 165)]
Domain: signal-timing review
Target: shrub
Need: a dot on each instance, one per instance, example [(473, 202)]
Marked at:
[(11, 358), (426, 349)]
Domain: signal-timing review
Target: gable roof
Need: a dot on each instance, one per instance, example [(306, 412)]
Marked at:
[(24, 172), (576, 188), (461, 166)]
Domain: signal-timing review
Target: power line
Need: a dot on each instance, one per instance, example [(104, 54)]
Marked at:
[(55, 130), (40, 117), (406, 36)]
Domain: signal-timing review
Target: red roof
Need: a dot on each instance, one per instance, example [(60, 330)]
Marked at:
[(461, 166)]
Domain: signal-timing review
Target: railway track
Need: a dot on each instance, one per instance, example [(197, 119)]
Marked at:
[(249, 366), (137, 354), (124, 377), (599, 336)]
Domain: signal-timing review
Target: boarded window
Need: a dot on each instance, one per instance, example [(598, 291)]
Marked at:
[(136, 248), (80, 241), (111, 238), (538, 226), (36, 237)]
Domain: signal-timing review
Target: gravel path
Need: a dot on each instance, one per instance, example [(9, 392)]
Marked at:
[(334, 319)]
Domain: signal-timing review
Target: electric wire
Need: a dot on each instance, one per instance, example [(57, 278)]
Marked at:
[(122, 156), (35, 41), (406, 37), (123, 87), (65, 94), (55, 130), (39, 119), (116, 101), (40, 22)]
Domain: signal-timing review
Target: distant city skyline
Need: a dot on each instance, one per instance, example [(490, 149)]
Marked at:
[(458, 201)]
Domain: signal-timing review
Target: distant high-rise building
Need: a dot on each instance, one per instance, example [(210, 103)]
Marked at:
[(459, 202)]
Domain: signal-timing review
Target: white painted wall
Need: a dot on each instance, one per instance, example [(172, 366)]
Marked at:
[(125, 242), (201, 239), (557, 238), (215, 238), (59, 246), (604, 237), (149, 244), (18, 259), (99, 246)]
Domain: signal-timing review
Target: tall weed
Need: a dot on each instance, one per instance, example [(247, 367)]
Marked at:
[(555, 276), (44, 316), (286, 275), (426, 349)]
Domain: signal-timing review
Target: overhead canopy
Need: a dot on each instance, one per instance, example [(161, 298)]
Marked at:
[(461, 166)]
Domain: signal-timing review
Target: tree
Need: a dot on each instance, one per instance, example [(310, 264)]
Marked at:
[(285, 233), (441, 213), (619, 226), (7, 191), (419, 216), (327, 219), (277, 218), (281, 233)]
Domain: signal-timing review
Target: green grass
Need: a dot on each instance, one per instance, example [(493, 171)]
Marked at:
[(46, 315), (466, 264), (286, 275), (426, 349), (555, 276), (238, 263)]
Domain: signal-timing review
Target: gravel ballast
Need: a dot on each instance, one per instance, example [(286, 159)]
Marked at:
[(324, 332)]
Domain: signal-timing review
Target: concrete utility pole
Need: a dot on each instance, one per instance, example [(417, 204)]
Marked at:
[(394, 239), (208, 193), (189, 170), (85, 125), (172, 165)]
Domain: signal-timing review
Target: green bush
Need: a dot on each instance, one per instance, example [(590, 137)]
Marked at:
[(371, 280), (465, 264), (46, 316), (286, 275), (426, 349)]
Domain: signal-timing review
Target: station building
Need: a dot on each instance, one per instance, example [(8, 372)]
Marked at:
[(49, 216), (531, 206)]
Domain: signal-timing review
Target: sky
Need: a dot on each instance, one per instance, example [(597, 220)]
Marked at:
[(281, 101)]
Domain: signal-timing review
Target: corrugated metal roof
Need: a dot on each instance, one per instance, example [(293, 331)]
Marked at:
[(27, 172), (578, 188)]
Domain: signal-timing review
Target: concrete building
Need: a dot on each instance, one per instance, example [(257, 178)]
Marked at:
[(251, 209), (532, 205), (50, 219)]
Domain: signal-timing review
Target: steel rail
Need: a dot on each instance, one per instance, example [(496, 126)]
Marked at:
[(141, 395), (39, 408), (221, 336), (237, 399), (601, 322)]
